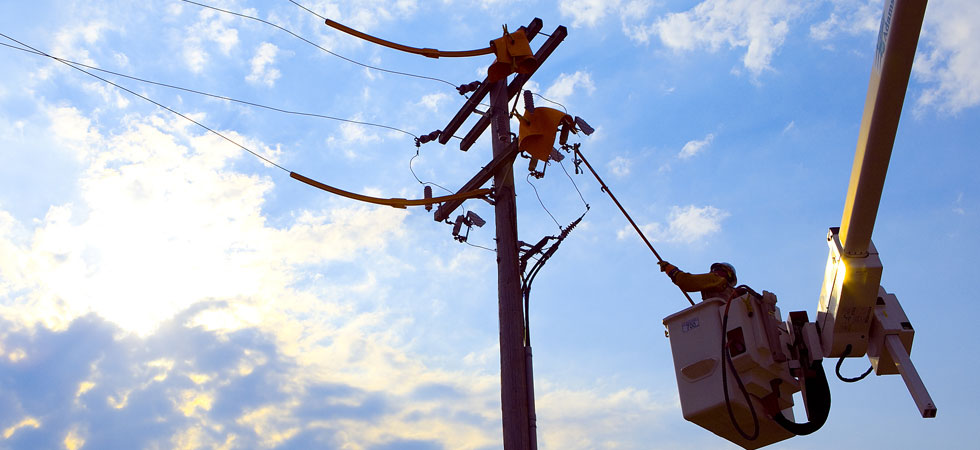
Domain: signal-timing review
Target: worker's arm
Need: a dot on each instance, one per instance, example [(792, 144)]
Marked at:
[(700, 282), (691, 282)]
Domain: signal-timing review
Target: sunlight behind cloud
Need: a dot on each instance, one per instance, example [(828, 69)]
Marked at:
[(153, 195), (162, 288), (26, 422)]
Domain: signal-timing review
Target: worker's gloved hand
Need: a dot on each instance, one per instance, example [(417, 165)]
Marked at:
[(666, 266)]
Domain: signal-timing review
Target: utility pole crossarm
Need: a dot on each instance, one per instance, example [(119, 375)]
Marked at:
[(516, 84), (481, 92), (446, 209)]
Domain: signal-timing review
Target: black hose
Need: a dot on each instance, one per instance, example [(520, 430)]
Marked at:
[(847, 351), (818, 403), (727, 356)]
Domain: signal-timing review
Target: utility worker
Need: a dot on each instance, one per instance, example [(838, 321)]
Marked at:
[(719, 282)]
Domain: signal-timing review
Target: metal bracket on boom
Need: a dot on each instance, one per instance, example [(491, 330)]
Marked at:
[(889, 348)]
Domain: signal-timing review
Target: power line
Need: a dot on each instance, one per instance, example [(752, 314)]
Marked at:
[(394, 202), (575, 185), (528, 179), (147, 99), (480, 246), (551, 101), (410, 161), (221, 97), (246, 16)]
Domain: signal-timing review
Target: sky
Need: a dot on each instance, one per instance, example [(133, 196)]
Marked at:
[(161, 287)]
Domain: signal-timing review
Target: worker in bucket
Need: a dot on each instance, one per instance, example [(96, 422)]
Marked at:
[(719, 282)]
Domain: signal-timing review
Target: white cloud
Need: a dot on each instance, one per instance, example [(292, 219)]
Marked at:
[(121, 59), (352, 134), (948, 56), (187, 387), (849, 16), (760, 27), (432, 101), (587, 12), (789, 127), (212, 27), (684, 225), (692, 148), (620, 166), (262, 72), (70, 42), (74, 131), (153, 195), (565, 86), (589, 419), (958, 205)]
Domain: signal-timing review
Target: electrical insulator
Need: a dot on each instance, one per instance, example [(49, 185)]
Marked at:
[(513, 56), (457, 227), (430, 137), (469, 87), (428, 196), (528, 102)]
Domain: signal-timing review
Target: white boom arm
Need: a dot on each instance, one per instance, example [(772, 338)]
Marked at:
[(852, 302)]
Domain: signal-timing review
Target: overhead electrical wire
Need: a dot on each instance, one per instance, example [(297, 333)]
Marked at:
[(417, 177), (551, 101), (574, 184), (367, 66), (527, 278), (220, 97), (528, 179), (36, 51), (479, 246), (326, 20), (393, 202)]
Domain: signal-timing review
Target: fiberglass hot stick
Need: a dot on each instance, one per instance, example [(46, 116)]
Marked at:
[(630, 219)]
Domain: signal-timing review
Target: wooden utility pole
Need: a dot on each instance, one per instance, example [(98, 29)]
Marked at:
[(516, 379), (513, 367)]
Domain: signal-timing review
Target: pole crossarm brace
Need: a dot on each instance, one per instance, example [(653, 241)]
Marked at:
[(393, 202), (484, 175), (531, 31), (428, 52), (517, 84)]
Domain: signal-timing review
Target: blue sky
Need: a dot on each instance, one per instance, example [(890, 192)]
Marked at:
[(162, 288)]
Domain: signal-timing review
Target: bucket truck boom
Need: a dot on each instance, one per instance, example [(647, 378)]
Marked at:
[(737, 364)]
